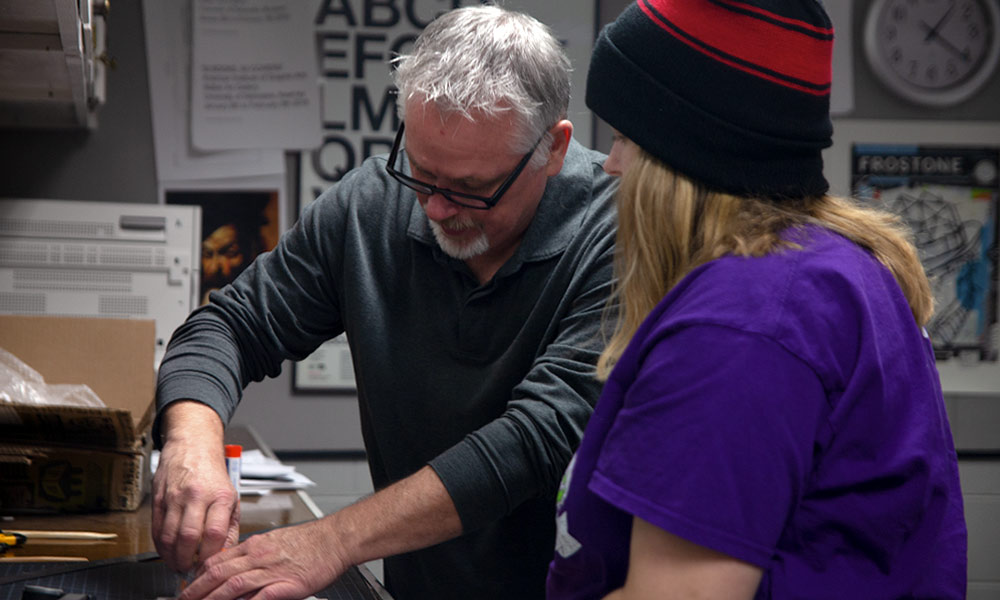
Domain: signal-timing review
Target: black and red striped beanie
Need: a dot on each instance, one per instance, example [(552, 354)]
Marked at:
[(733, 94)]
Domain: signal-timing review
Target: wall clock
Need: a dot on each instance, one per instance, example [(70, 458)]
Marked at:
[(933, 52)]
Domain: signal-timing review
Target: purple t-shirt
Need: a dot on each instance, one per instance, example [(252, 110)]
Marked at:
[(785, 411)]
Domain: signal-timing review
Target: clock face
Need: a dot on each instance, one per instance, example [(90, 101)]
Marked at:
[(934, 52)]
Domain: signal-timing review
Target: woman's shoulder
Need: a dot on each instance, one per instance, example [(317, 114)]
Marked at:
[(811, 288)]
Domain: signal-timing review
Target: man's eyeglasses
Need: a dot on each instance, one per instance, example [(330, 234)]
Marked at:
[(461, 198)]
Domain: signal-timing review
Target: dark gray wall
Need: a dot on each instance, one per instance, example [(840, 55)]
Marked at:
[(112, 163)]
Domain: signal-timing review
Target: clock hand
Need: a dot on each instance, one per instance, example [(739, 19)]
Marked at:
[(931, 34), (933, 31)]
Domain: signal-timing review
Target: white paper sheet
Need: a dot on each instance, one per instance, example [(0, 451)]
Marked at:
[(254, 76), (168, 43)]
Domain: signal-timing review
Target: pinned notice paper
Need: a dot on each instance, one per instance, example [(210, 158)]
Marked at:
[(168, 53), (254, 76)]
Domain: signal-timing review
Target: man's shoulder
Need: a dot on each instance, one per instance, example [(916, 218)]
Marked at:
[(824, 288), (583, 174), (370, 175), (581, 159), (366, 205), (362, 186)]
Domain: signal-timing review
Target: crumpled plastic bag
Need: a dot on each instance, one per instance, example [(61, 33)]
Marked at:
[(20, 384)]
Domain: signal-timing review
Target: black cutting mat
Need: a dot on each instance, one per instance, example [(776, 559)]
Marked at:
[(144, 581)]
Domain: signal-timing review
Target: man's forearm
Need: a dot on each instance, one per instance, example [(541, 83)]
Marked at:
[(413, 513)]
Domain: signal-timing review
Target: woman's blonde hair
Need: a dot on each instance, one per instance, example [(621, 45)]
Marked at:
[(668, 225)]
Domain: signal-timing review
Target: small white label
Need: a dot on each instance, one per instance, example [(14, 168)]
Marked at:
[(233, 466), (566, 545)]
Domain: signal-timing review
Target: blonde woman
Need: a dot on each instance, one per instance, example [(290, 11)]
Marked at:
[(772, 424)]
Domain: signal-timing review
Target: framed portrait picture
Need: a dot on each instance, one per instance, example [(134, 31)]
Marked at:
[(236, 226), (327, 370)]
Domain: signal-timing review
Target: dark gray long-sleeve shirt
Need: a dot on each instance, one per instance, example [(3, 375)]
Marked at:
[(491, 384)]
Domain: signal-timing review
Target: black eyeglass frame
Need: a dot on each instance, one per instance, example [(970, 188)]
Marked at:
[(453, 196)]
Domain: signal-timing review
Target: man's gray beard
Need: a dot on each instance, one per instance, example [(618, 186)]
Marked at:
[(479, 245)]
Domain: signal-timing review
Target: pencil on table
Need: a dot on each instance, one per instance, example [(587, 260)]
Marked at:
[(65, 535)]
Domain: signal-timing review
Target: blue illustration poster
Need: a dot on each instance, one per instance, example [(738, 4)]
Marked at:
[(949, 197)]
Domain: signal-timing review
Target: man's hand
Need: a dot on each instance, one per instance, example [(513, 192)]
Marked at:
[(294, 562), (283, 564), (195, 508)]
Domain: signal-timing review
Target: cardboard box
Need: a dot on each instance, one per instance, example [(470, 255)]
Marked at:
[(74, 458), (70, 479)]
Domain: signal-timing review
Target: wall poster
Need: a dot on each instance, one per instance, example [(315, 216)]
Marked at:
[(236, 226), (948, 195), (354, 42), (328, 369)]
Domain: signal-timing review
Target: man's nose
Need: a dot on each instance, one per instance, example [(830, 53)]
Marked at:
[(439, 208)]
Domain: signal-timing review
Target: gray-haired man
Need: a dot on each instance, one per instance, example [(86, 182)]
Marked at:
[(470, 270)]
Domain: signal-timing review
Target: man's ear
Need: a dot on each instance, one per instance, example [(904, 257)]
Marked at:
[(562, 133)]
